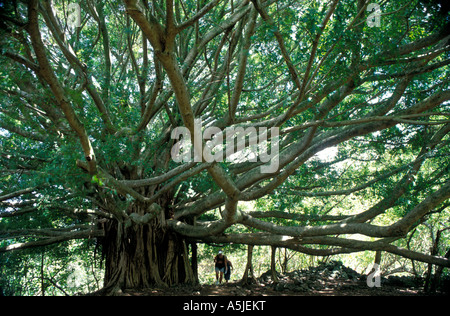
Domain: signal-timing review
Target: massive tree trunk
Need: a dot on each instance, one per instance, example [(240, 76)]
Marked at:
[(142, 255)]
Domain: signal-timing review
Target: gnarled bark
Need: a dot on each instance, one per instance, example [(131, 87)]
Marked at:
[(142, 255)]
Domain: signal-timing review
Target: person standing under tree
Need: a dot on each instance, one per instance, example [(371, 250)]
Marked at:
[(221, 264), (227, 274)]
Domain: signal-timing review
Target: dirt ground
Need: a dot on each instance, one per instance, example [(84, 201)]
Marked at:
[(330, 279), (234, 289)]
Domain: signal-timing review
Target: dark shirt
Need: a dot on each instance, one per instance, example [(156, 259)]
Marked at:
[(220, 262)]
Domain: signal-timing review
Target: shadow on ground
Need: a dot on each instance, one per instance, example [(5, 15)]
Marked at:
[(330, 279)]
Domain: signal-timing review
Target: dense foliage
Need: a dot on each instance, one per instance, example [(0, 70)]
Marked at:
[(87, 112)]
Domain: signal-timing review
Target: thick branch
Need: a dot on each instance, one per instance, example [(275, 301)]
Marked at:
[(197, 16), (91, 233), (15, 194), (297, 217), (346, 245), (47, 73)]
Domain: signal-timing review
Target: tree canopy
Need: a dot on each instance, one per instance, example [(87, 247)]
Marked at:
[(92, 92)]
